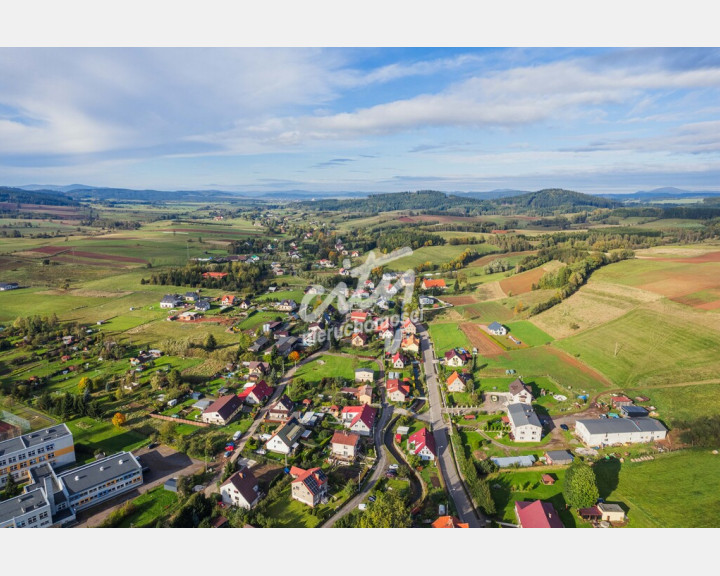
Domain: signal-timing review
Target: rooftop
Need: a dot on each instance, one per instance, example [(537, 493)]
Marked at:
[(80, 479), (34, 439), (22, 505), (621, 425)]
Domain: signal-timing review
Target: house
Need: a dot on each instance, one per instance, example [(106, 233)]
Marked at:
[(269, 327), (422, 444), (259, 344), (633, 411), (202, 305), (285, 439), (345, 445), (188, 316), (360, 419), (241, 490), (358, 316), (223, 410), (428, 284), (408, 327), (411, 343), (309, 486), (558, 458), (449, 522), (192, 296), (537, 514), (245, 304), (287, 306), (519, 392), (257, 393), (455, 383), (228, 300), (286, 344), (258, 368), (398, 361), (364, 394), (611, 431), (524, 423), (359, 339), (497, 329), (396, 391), (8, 286), (171, 301), (386, 334), (281, 410), (457, 357), (364, 375), (547, 480), (611, 512), (618, 401)]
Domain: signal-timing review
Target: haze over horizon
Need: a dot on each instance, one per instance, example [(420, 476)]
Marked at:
[(372, 120)]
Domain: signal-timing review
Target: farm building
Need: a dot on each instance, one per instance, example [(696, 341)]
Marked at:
[(497, 329), (618, 401), (633, 411), (609, 431), (558, 458), (510, 461)]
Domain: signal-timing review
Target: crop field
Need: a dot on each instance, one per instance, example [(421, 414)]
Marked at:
[(676, 490), (647, 347), (447, 336), (486, 312), (434, 254), (523, 282), (486, 345)]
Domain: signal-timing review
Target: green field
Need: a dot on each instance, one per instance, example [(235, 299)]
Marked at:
[(290, 513), (90, 435), (682, 403), (675, 490), (435, 255), (645, 347), (150, 506), (448, 336), (486, 312), (327, 366), (528, 333)]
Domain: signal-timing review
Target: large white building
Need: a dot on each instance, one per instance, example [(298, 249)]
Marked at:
[(18, 456), (524, 423), (609, 431)]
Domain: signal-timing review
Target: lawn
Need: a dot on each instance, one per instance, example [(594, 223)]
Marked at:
[(486, 312), (150, 506), (511, 486), (327, 366), (90, 435), (676, 490), (448, 336), (433, 254), (682, 402), (645, 347), (290, 513), (528, 333)]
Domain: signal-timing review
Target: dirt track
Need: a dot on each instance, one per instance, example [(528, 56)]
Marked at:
[(485, 345)]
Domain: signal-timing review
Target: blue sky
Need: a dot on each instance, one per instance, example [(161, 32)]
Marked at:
[(369, 119)]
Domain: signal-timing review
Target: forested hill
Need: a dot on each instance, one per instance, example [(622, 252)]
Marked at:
[(41, 197), (555, 200), (376, 203)]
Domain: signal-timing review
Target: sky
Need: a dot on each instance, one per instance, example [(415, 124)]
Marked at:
[(361, 119)]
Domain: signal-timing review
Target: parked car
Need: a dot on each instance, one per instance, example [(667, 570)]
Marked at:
[(362, 506), (372, 498), (237, 435), (564, 427), (393, 467)]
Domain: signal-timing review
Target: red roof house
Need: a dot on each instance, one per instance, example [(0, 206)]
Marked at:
[(537, 514), (422, 444)]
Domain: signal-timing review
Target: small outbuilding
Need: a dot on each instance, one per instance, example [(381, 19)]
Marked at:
[(171, 485)]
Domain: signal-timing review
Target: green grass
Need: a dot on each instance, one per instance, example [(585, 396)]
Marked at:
[(515, 486), (150, 506), (433, 254), (448, 336), (681, 403), (486, 312), (327, 366), (90, 435), (675, 490), (291, 513), (652, 348), (528, 333)]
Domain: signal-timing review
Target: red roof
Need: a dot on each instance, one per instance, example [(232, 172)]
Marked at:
[(314, 478), (229, 298), (395, 386), (454, 376), (616, 399), (537, 514), (358, 316), (428, 283), (398, 356), (346, 438), (214, 274), (420, 440), (449, 522), (261, 391), (363, 413)]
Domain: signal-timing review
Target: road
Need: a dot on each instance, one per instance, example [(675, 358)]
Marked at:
[(446, 463), (380, 464)]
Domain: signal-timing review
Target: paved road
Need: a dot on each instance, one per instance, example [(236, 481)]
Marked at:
[(465, 509), (381, 463)]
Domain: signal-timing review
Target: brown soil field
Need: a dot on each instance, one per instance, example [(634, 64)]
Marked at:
[(521, 283), (572, 361), (709, 305), (50, 249), (460, 300), (490, 291), (60, 210), (485, 345), (702, 259)]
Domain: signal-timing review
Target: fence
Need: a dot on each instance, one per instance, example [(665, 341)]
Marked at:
[(180, 420)]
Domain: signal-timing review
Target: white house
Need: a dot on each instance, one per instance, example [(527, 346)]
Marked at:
[(422, 444), (497, 329), (240, 490), (524, 423), (520, 392), (286, 438)]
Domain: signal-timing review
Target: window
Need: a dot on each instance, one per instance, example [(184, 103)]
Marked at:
[(50, 447)]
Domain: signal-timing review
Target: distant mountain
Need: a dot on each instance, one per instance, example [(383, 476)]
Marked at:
[(664, 194), (54, 187), (493, 194), (42, 197)]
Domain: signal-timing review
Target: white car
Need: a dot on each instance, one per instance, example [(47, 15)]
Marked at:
[(393, 467), (362, 506)]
